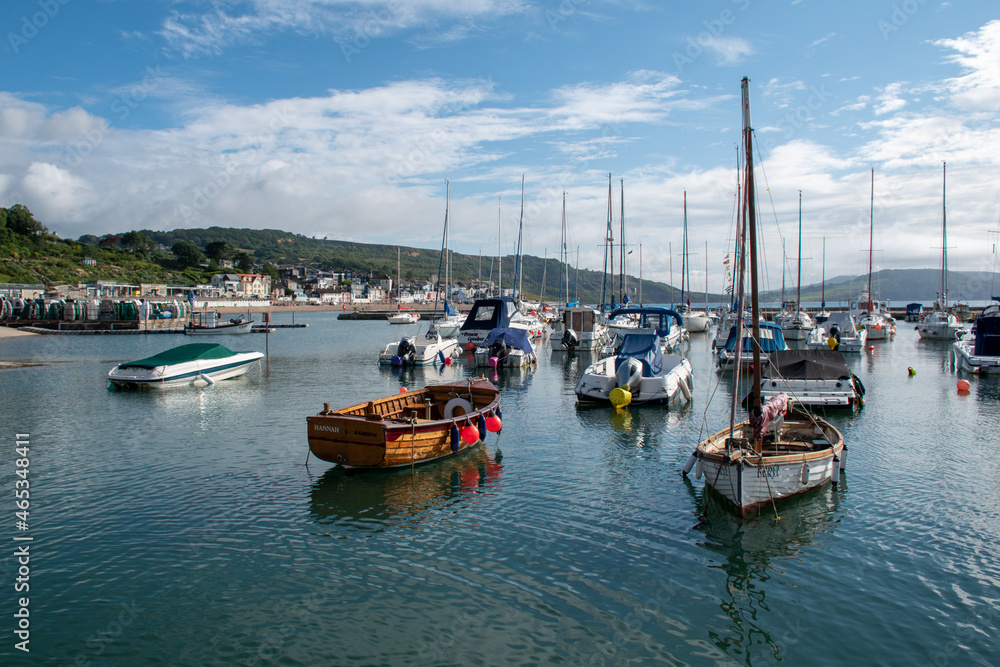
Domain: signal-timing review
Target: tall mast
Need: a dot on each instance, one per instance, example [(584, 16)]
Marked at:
[(706, 277), (752, 234), (640, 273), (621, 255), (564, 256), (684, 250), (798, 280), (444, 250), (822, 306), (608, 241), (499, 250), (944, 242), (545, 266), (871, 237), (517, 259)]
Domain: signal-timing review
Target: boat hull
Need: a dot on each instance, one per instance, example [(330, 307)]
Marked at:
[(672, 388), (796, 463), (182, 374), (403, 429), (425, 353), (967, 361), (219, 329)]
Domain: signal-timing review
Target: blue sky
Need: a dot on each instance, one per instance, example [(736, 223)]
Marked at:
[(345, 119)]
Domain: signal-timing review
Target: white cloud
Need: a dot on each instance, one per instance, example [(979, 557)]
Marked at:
[(978, 53), (728, 50), (889, 99), (349, 21), (56, 192)]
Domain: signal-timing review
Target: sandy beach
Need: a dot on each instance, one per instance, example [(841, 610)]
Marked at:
[(10, 332)]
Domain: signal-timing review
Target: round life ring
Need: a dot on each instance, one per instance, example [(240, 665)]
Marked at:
[(457, 404)]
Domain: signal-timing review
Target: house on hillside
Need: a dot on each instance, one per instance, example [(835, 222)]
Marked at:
[(227, 283), (255, 284)]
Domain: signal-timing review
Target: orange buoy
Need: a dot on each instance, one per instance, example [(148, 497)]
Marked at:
[(964, 386), (402, 390)]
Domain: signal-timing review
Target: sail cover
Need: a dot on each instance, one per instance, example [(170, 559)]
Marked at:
[(644, 347)]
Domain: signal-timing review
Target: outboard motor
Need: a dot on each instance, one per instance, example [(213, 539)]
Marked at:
[(405, 350), (499, 349), (570, 340), (629, 374)]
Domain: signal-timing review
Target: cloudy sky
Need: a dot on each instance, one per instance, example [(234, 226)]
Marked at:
[(345, 119)]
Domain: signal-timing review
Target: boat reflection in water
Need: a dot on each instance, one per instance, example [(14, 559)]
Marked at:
[(752, 552), (376, 500)]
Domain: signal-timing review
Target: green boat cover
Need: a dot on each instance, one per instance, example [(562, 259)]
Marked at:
[(181, 354)]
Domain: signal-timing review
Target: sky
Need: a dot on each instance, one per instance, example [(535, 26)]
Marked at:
[(346, 119)]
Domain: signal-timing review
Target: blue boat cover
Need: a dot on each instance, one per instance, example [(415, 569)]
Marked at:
[(771, 339), (515, 338), (490, 314), (987, 337), (644, 347)]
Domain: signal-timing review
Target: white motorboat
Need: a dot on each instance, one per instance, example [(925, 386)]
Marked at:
[(771, 455), (404, 317), (666, 323), (209, 323), (841, 328), (979, 350), (579, 328), (485, 316), (506, 348), (183, 365), (426, 350), (640, 374), (812, 378)]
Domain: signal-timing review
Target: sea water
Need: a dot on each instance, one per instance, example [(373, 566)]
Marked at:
[(186, 527)]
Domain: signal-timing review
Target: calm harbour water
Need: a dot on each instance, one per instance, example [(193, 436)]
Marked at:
[(183, 527)]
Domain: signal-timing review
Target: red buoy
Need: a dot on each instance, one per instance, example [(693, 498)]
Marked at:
[(964, 386), (470, 434), (493, 424)]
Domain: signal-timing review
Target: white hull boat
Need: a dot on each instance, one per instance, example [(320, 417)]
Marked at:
[(639, 375), (979, 350), (506, 348), (813, 379), (209, 323), (404, 318), (840, 327), (184, 365), (775, 453), (579, 329), (939, 325), (425, 350)]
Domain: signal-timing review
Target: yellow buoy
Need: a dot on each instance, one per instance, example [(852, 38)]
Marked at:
[(831, 343), (620, 397)]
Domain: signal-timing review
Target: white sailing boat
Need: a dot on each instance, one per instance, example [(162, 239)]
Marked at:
[(868, 313), (695, 321), (579, 327), (777, 452), (941, 324), (401, 316)]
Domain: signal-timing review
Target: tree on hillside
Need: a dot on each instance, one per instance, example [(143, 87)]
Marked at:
[(218, 250), (109, 241), (3, 217), (135, 241), (187, 254), (21, 221), (243, 261), (89, 239)]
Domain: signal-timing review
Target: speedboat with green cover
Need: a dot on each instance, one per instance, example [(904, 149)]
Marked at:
[(184, 365)]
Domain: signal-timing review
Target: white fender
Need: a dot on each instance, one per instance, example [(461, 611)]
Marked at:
[(843, 458), (690, 464), (805, 472), (697, 469), (685, 389), (836, 470), (457, 404), (208, 380)]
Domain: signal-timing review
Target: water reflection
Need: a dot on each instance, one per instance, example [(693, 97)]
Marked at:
[(373, 500), (751, 552)]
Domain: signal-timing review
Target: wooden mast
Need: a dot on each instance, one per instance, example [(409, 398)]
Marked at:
[(752, 234)]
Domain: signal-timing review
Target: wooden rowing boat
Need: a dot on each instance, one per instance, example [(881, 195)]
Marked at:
[(409, 428)]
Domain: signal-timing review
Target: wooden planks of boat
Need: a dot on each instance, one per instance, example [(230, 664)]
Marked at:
[(802, 452), (404, 429)]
